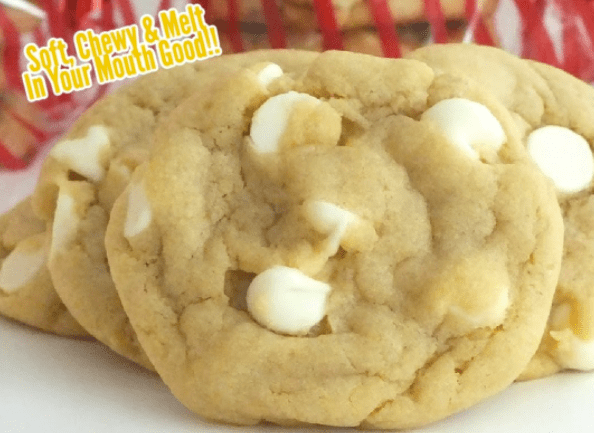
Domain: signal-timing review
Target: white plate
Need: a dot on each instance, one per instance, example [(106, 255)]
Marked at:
[(55, 384)]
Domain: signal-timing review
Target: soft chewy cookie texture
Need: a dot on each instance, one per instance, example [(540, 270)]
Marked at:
[(26, 290), (84, 174), (347, 240), (554, 111)]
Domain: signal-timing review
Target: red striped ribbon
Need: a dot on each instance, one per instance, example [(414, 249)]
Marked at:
[(476, 23), (164, 5), (40, 38), (328, 25), (585, 10), (39, 134), (127, 12), (578, 39), (233, 30), (55, 22), (436, 18), (107, 15), (386, 27), (8, 160), (537, 43), (206, 6), (12, 50), (277, 38)]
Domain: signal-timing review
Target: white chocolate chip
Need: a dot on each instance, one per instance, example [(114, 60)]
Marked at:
[(468, 125), (331, 220), (139, 214), (574, 352), (85, 155), (563, 156), (270, 120), (21, 265), (269, 73), (286, 300), (342, 228), (65, 223), (493, 315), (327, 217)]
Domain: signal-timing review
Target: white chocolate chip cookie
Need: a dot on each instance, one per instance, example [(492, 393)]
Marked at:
[(554, 112), (87, 170), (26, 290), (362, 264)]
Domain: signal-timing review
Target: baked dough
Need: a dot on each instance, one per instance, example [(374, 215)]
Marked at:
[(83, 175), (547, 102), (26, 290), (347, 240)]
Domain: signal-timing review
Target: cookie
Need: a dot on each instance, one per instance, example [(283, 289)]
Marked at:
[(358, 13), (359, 40), (350, 241), (80, 179), (553, 111), (26, 290), (85, 173), (355, 23)]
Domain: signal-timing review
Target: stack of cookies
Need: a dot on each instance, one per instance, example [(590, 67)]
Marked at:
[(333, 238), (389, 28)]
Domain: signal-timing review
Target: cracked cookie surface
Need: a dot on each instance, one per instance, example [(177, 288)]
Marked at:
[(318, 243), (553, 111), (26, 290)]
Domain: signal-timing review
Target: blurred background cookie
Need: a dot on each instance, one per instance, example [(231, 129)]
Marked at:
[(26, 289), (358, 25)]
